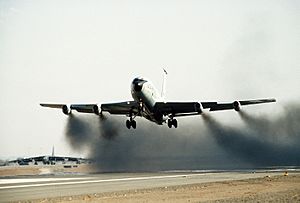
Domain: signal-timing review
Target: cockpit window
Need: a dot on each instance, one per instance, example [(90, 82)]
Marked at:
[(136, 80)]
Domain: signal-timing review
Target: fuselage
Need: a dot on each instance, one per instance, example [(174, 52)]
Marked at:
[(145, 93)]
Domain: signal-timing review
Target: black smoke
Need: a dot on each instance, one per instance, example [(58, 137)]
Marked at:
[(148, 148), (265, 141), (199, 143)]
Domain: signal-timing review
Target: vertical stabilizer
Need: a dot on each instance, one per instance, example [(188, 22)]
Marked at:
[(52, 151), (163, 90)]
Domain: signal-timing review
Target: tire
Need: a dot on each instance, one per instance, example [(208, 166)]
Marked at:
[(128, 124), (133, 124), (175, 124), (170, 123)]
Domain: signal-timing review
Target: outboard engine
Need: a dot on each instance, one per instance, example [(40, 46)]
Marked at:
[(97, 109), (236, 106), (66, 110), (199, 107)]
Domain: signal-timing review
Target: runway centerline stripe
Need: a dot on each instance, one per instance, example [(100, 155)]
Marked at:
[(99, 181)]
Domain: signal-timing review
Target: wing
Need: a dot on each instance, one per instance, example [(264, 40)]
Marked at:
[(178, 108), (236, 105), (83, 108), (121, 108), (58, 106)]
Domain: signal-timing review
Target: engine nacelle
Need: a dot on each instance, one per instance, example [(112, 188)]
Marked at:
[(236, 106), (199, 107), (97, 109), (66, 110)]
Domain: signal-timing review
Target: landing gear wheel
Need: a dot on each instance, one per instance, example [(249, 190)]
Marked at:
[(133, 124), (128, 124), (172, 122), (175, 124)]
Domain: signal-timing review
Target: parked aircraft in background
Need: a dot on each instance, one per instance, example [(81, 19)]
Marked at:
[(148, 103)]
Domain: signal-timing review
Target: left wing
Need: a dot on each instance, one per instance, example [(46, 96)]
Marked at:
[(236, 105), (121, 108), (193, 108), (178, 108)]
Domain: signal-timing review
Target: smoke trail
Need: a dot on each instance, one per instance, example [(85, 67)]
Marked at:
[(284, 129), (148, 148), (264, 141), (78, 132), (109, 130), (197, 144)]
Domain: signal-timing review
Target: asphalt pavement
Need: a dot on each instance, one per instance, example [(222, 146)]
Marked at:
[(38, 187)]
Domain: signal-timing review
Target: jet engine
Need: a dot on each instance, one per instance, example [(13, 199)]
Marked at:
[(66, 110), (199, 107), (97, 109), (236, 105)]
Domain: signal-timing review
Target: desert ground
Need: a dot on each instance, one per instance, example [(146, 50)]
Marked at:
[(279, 187), (267, 189)]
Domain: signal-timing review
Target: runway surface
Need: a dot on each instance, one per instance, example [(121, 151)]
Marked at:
[(37, 187)]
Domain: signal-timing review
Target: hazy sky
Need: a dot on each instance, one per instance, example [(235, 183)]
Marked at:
[(89, 51)]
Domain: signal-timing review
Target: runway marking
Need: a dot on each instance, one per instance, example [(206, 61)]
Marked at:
[(99, 181), (23, 180)]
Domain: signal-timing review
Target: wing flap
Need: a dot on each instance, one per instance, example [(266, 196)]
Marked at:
[(224, 106), (121, 107), (177, 107), (207, 105), (83, 108)]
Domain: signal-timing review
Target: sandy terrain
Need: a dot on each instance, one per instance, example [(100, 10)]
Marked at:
[(268, 189)]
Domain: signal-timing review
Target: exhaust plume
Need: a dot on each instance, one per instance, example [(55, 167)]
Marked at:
[(264, 141), (148, 148), (206, 144)]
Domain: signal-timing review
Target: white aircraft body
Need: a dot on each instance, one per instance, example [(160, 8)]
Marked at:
[(148, 103)]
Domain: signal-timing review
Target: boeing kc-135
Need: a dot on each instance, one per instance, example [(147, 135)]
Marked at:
[(148, 103)]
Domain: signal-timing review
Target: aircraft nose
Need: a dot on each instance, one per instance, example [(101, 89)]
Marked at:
[(138, 86)]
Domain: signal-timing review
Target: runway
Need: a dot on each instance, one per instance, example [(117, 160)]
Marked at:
[(38, 187)]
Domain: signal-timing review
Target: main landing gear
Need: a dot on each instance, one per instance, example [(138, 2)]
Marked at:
[(131, 123), (172, 122)]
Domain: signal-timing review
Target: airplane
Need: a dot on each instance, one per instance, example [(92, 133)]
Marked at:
[(148, 103)]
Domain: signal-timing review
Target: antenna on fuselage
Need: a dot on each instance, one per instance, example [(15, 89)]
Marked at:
[(163, 90)]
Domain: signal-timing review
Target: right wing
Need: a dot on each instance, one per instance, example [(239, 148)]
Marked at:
[(121, 108), (236, 105)]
